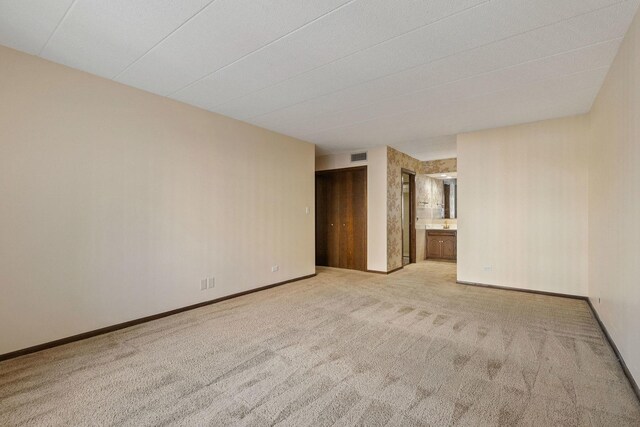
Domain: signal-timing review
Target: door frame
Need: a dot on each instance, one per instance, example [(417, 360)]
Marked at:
[(412, 213)]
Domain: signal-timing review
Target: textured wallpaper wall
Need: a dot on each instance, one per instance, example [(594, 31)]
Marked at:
[(396, 161), (439, 166)]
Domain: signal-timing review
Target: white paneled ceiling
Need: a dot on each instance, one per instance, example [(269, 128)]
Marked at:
[(344, 74)]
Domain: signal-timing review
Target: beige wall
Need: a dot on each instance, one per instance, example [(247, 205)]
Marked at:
[(376, 200), (116, 202), (522, 206), (377, 209), (614, 201)]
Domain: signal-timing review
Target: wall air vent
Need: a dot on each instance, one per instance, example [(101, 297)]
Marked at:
[(358, 157)]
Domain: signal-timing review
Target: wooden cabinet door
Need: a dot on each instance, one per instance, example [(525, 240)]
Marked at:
[(434, 247), (448, 247)]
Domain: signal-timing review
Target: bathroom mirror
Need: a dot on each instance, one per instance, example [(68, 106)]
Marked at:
[(437, 196)]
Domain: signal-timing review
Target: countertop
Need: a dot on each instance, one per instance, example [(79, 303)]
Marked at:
[(438, 227)]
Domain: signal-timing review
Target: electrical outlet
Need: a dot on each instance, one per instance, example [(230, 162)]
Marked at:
[(488, 268), (306, 210), (212, 282), (275, 268), (203, 284)]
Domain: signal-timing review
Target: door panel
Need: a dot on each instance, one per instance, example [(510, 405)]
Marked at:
[(334, 227), (433, 247), (448, 247), (345, 209)]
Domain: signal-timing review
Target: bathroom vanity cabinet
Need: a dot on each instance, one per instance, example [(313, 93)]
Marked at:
[(441, 244)]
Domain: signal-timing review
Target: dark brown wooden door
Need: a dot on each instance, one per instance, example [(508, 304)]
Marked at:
[(335, 226), (341, 227), (345, 183), (353, 213)]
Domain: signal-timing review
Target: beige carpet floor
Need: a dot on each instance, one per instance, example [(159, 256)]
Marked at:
[(344, 348)]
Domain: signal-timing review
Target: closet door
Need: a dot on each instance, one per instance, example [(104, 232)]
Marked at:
[(341, 227)]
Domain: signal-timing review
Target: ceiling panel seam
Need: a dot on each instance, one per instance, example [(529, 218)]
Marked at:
[(356, 52), (306, 24), (163, 39), (410, 68), (55, 30)]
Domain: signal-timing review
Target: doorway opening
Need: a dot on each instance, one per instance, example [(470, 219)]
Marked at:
[(408, 217)]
